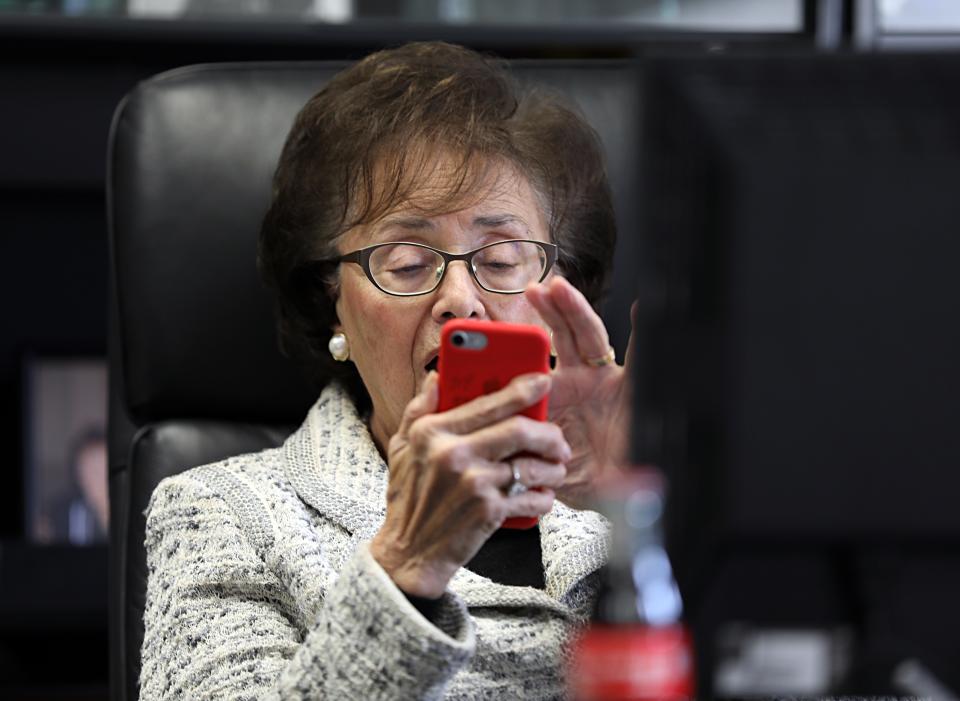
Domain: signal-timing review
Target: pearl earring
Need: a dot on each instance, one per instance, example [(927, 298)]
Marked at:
[(339, 348)]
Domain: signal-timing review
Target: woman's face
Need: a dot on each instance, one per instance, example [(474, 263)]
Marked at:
[(393, 339)]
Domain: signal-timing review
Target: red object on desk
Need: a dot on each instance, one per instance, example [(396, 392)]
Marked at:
[(632, 663)]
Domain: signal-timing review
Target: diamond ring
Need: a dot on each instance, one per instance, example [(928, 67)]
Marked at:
[(516, 486)]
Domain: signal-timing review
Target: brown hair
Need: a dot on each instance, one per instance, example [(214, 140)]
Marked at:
[(361, 146)]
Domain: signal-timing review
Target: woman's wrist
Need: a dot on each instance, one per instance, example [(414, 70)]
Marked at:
[(412, 575)]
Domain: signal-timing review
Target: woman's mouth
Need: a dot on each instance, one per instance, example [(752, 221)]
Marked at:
[(433, 364)]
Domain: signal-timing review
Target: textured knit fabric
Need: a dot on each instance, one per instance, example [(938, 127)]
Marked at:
[(261, 586)]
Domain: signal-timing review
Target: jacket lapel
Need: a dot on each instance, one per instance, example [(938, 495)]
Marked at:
[(334, 465)]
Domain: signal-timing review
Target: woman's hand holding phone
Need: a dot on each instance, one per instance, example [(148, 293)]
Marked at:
[(448, 476)]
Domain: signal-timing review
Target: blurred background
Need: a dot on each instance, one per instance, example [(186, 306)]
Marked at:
[(65, 65)]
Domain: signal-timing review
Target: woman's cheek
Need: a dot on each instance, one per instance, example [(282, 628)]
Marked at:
[(518, 310)]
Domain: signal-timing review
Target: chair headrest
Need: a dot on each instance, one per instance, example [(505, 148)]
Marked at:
[(192, 155)]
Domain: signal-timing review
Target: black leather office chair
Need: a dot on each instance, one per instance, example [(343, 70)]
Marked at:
[(194, 368)]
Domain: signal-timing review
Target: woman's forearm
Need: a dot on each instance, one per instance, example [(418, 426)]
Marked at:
[(220, 624)]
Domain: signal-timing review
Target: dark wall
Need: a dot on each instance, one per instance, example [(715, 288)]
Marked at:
[(55, 118)]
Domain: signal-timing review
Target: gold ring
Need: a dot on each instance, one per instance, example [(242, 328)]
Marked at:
[(608, 358)]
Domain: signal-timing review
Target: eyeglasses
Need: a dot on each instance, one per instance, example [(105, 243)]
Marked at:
[(408, 269)]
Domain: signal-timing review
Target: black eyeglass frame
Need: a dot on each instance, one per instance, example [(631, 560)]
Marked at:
[(362, 258)]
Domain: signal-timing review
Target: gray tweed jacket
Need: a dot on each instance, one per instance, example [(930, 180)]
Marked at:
[(261, 586)]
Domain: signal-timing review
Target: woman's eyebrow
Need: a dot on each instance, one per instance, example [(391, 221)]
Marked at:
[(414, 224), (494, 220), (387, 230), (409, 223)]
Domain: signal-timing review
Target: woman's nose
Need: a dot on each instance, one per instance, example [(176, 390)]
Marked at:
[(458, 296)]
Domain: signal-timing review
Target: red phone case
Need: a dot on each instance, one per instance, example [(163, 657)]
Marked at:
[(467, 373)]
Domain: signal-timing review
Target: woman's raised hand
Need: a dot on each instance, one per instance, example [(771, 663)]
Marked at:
[(590, 397), (448, 476)]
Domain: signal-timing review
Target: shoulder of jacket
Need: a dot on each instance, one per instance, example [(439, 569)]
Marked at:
[(245, 484)]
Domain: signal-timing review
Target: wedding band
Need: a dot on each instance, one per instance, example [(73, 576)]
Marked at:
[(608, 358), (516, 486)]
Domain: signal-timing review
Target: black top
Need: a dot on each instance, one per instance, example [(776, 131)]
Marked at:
[(512, 557), (509, 557)]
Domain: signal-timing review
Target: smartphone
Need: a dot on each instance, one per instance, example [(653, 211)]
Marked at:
[(480, 357)]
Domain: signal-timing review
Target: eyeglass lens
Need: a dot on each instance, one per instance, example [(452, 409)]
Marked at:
[(508, 266)]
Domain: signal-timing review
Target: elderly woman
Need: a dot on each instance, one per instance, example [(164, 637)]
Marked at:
[(364, 558)]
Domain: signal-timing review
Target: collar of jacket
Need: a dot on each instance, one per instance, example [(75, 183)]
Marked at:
[(335, 467)]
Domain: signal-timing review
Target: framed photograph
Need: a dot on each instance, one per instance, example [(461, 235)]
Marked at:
[(65, 450)]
